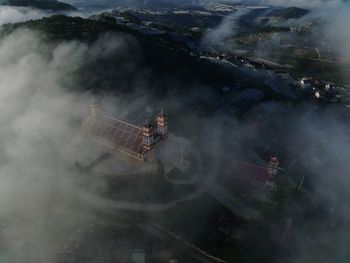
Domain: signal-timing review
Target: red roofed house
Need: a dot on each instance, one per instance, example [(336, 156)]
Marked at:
[(131, 140), (251, 173)]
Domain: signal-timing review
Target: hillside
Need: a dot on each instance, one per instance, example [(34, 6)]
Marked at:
[(60, 27), (162, 57), (289, 13)]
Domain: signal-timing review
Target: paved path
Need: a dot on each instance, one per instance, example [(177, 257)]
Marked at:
[(165, 234), (227, 199), (202, 184)]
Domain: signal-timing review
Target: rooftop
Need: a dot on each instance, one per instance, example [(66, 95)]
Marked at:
[(248, 172), (118, 133)]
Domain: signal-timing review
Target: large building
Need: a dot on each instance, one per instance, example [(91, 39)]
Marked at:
[(134, 141)]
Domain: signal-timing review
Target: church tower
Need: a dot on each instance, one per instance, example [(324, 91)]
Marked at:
[(90, 121), (148, 131), (94, 108), (162, 124), (148, 135), (273, 166)]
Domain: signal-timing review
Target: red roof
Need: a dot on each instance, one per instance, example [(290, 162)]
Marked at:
[(118, 133), (249, 171)]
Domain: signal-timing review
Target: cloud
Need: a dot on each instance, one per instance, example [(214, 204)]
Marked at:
[(318, 140), (18, 14), (336, 22), (39, 123), (40, 118), (311, 4), (227, 28)]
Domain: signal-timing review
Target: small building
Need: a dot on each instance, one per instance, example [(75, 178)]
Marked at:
[(250, 181), (137, 142), (255, 174)]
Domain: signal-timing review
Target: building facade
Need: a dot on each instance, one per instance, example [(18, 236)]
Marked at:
[(137, 142)]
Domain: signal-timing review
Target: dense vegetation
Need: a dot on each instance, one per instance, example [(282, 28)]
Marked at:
[(166, 59), (290, 12), (60, 27)]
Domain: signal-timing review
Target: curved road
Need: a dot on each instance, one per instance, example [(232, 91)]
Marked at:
[(207, 179), (203, 181)]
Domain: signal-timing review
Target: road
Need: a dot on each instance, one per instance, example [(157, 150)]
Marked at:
[(202, 181), (163, 233), (227, 199)]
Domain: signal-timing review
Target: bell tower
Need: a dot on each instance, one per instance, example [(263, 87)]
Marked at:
[(162, 124), (94, 108), (148, 135), (90, 122), (273, 166), (148, 131)]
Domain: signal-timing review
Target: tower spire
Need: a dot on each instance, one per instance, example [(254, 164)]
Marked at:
[(91, 120), (94, 107), (148, 140), (162, 124)]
